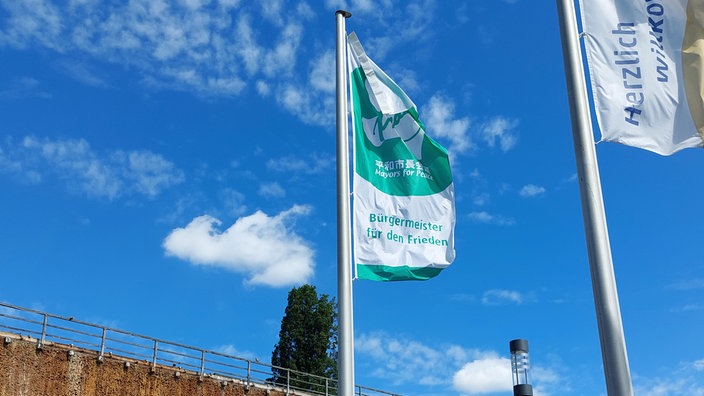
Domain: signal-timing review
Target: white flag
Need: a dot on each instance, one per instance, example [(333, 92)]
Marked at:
[(404, 207), (646, 63)]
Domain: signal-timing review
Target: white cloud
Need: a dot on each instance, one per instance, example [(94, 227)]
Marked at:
[(272, 10), (488, 218), (225, 48), (80, 71), (309, 105), (499, 129), (248, 49), (313, 165), (215, 49), (23, 88), (402, 360), (531, 190), (698, 365), (321, 69), (262, 247), (502, 297), (480, 199), (271, 190), (688, 284), (228, 4), (146, 172), (233, 202), (685, 380), (398, 359), (263, 88), (304, 11), (281, 60), (483, 376), (31, 20), (441, 123), (669, 387), (688, 308), (231, 350), (176, 45), (74, 162)]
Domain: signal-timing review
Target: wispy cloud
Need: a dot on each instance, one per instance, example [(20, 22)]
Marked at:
[(32, 20), (403, 360), (398, 359), (688, 308), (82, 72), (531, 190), (24, 88), (688, 284), (103, 175), (685, 380), (271, 190), (413, 26), (231, 350), (441, 123), (314, 164), (210, 49), (480, 195), (233, 201), (480, 199), (698, 365), (488, 218), (669, 387), (502, 297), (190, 45), (500, 131), (321, 69), (262, 247)]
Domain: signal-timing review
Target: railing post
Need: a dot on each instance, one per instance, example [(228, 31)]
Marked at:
[(288, 381), (40, 345), (249, 372), (326, 386), (156, 347), (102, 345), (202, 363)]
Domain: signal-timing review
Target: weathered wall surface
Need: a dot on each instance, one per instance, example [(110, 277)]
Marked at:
[(53, 370)]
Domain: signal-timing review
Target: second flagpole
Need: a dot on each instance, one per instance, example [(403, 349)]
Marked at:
[(608, 312)]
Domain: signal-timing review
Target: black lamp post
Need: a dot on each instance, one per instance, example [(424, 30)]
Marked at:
[(520, 366)]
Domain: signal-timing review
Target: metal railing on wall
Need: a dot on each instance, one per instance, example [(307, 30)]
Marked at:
[(106, 341)]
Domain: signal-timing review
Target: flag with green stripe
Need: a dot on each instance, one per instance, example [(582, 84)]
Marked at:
[(404, 206)]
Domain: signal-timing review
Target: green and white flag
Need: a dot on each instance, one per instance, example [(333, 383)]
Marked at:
[(404, 201)]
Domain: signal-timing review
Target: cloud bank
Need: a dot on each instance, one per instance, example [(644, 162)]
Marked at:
[(109, 175), (402, 360)]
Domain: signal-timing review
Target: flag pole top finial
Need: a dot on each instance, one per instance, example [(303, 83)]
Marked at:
[(344, 13)]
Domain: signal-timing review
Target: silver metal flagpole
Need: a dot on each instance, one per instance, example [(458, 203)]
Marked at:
[(345, 357), (608, 313)]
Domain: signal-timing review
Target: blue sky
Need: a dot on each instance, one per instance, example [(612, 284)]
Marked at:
[(168, 168)]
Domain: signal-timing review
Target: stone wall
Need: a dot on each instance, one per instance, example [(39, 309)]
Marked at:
[(61, 370)]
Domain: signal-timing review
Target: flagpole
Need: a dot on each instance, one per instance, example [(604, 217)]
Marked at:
[(345, 357), (608, 312)]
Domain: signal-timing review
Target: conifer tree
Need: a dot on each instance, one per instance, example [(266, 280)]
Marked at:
[(307, 340)]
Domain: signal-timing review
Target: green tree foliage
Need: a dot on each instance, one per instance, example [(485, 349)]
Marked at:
[(307, 340)]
